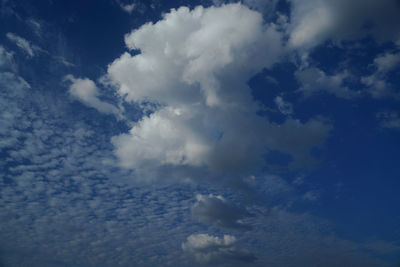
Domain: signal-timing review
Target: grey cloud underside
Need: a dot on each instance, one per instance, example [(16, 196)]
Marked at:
[(219, 211)]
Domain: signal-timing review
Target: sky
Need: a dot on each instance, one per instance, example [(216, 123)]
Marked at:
[(200, 133)]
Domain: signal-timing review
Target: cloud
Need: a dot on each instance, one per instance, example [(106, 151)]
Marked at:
[(299, 239), (219, 211), (212, 249), (63, 61), (311, 195), (387, 62), (377, 84), (22, 43), (181, 60), (35, 26), (199, 83), (7, 60), (13, 91), (128, 8), (58, 193), (389, 120), (297, 139), (314, 81), (86, 91), (315, 21), (284, 107)]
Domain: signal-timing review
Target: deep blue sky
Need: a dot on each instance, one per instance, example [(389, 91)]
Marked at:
[(199, 133)]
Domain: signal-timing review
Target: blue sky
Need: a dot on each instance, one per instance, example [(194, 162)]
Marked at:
[(199, 133)]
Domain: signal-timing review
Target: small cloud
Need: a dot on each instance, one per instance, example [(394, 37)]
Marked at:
[(127, 7), (63, 61), (387, 62), (311, 196), (22, 43), (35, 26), (314, 81), (376, 83), (86, 91), (211, 249), (389, 120), (299, 180), (285, 108)]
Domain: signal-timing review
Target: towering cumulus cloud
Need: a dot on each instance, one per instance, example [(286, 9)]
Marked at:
[(194, 64)]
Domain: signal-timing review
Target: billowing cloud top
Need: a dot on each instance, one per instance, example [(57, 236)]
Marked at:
[(195, 65)]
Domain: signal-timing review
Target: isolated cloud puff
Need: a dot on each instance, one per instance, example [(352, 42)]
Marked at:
[(195, 64), (219, 211), (211, 249), (86, 91)]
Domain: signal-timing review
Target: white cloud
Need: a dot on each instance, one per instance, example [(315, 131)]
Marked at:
[(195, 64), (182, 60), (212, 249), (166, 137), (86, 91), (314, 80), (129, 8), (22, 43)]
